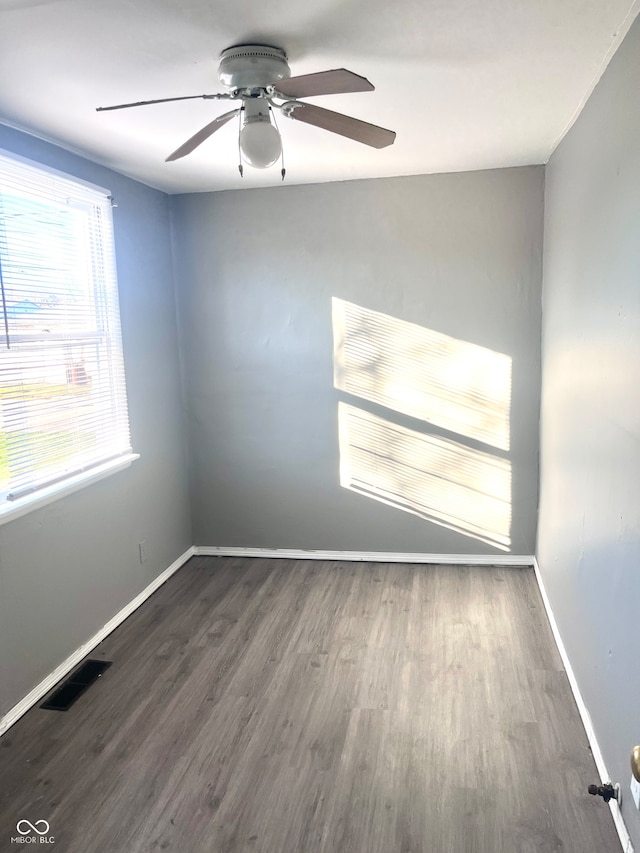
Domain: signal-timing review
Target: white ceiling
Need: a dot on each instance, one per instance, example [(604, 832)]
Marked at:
[(467, 84)]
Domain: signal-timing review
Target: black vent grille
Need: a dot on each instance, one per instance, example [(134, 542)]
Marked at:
[(68, 692)]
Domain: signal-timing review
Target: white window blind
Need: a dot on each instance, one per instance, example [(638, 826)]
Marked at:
[(63, 407)]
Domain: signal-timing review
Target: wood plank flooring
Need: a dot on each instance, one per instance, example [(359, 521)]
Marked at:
[(277, 706)]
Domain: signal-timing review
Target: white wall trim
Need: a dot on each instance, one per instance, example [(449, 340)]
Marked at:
[(367, 556), (618, 820), (75, 657), (12, 510)]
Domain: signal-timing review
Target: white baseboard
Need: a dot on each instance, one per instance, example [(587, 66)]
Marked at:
[(618, 820), (367, 556), (67, 665)]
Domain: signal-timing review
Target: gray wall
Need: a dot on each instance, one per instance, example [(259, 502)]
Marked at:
[(458, 254), (67, 568), (589, 526)]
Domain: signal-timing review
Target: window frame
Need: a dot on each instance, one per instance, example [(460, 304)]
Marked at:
[(79, 477)]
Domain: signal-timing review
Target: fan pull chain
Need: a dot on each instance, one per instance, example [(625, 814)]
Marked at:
[(240, 169), (283, 171)]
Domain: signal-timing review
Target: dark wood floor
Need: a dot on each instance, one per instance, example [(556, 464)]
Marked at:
[(279, 706)]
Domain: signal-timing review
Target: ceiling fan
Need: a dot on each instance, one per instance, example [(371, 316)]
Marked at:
[(259, 77)]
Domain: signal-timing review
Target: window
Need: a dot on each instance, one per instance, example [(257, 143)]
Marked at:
[(63, 407)]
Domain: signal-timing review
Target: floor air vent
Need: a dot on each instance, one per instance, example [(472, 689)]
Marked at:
[(64, 697)]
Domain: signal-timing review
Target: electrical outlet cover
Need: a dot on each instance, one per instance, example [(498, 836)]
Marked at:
[(635, 791)]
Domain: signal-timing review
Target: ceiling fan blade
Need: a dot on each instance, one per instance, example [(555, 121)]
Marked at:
[(353, 128), (199, 137), (162, 101), (336, 82)]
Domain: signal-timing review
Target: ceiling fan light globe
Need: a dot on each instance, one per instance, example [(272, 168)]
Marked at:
[(260, 144)]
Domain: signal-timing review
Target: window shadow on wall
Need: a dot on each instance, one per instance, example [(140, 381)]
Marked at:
[(450, 465)]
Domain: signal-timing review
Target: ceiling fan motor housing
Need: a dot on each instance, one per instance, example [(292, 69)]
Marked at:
[(252, 66)]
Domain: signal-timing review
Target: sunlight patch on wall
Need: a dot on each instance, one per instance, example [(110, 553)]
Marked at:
[(453, 384), (440, 480)]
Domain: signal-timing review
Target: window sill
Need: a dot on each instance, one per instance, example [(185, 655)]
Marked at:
[(48, 495)]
